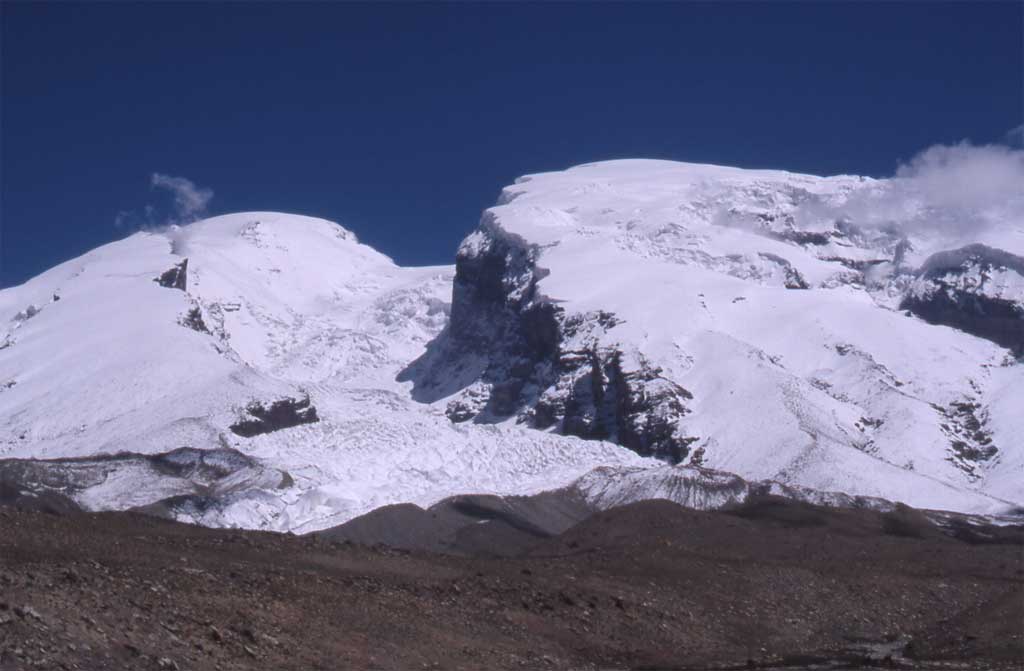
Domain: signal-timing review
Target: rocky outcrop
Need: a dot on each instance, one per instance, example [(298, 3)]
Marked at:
[(174, 278), (500, 333), (601, 393), (965, 424), (281, 414), (193, 319), (976, 289), (509, 351)]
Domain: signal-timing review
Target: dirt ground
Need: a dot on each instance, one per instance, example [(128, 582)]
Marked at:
[(647, 586)]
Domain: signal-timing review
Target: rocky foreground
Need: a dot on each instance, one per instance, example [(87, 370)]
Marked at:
[(651, 585)]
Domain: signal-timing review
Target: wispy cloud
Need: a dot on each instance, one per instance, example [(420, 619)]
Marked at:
[(946, 189), (188, 203), (964, 177)]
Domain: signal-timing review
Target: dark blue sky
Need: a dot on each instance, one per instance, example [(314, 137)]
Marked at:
[(403, 121)]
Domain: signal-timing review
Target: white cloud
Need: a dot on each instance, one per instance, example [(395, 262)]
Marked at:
[(965, 177), (949, 189)]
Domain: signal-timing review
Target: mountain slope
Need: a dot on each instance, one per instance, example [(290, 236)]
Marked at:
[(782, 585)]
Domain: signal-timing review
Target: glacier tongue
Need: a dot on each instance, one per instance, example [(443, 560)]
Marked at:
[(599, 322)]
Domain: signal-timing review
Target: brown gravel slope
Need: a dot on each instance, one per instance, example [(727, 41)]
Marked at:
[(651, 585)]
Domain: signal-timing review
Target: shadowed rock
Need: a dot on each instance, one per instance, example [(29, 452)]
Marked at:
[(281, 414), (510, 351), (174, 278), (954, 290), (193, 319)]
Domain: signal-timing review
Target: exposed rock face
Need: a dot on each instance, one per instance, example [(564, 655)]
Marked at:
[(976, 289), (517, 353), (193, 319), (500, 334), (604, 394), (970, 439), (280, 414), (175, 278)]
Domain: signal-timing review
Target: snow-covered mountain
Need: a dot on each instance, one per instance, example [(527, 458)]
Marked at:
[(215, 336), (600, 325), (735, 319)]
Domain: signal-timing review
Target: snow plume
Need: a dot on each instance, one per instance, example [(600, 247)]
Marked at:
[(188, 203), (952, 190)]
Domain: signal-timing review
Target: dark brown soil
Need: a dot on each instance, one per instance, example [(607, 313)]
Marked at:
[(650, 585)]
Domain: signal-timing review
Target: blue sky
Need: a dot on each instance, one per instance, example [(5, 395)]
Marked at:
[(403, 121)]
